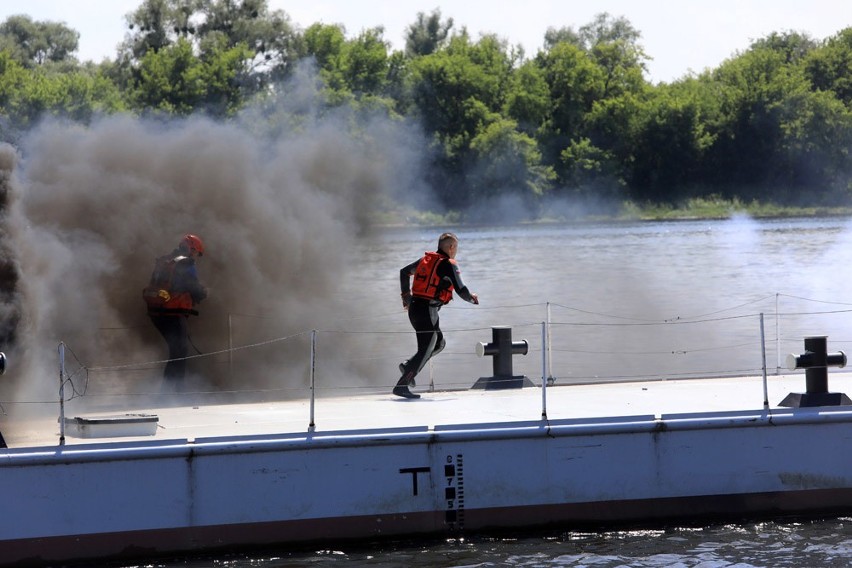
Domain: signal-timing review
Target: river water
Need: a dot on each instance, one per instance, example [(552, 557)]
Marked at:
[(624, 301)]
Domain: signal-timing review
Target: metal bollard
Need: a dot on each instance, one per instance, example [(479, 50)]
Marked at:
[(501, 349), (815, 360)]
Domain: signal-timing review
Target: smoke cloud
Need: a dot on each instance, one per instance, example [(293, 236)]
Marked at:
[(88, 209)]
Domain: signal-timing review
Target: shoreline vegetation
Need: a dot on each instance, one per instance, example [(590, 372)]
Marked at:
[(699, 208), (718, 208), (474, 129)]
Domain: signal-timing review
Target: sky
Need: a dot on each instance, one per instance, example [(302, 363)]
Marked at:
[(680, 36)]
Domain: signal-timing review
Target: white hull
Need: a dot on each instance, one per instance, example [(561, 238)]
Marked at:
[(191, 487)]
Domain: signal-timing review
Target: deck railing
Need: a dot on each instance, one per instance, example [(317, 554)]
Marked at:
[(576, 345)]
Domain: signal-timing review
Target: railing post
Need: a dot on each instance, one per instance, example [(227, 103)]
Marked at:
[(312, 424), (763, 353), (777, 335), (61, 393), (549, 347), (544, 338), (230, 347)]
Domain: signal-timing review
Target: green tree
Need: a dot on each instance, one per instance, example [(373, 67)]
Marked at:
[(156, 24), (528, 98), (774, 131), (84, 94), (817, 129), (829, 68), (574, 83), (27, 95), (751, 90), (273, 43), (606, 29), (623, 67), (589, 171), (13, 78), (268, 41), (507, 162), (397, 76), (326, 44), (554, 36), (427, 34), (670, 141), (171, 79), (354, 71), (225, 92), (34, 43), (444, 86), (175, 81), (457, 92), (794, 46), (498, 61), (365, 62), (613, 43)]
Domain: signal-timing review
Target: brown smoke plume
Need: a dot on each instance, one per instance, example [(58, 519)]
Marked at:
[(89, 208)]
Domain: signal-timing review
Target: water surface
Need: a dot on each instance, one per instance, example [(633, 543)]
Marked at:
[(630, 300)]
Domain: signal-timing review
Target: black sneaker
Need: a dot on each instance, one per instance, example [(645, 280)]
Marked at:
[(402, 372), (404, 392)]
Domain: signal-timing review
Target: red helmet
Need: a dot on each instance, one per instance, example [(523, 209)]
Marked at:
[(192, 244)]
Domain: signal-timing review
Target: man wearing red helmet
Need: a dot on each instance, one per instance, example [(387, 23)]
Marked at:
[(171, 297)]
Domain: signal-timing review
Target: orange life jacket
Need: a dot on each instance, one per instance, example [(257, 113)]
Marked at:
[(426, 280), (160, 294)]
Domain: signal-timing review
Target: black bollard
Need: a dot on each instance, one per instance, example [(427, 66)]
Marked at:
[(501, 349), (815, 360)]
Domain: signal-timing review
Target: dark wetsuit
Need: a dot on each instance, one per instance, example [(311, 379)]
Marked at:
[(173, 327), (423, 314)]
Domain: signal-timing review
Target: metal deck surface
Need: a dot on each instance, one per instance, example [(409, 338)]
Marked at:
[(382, 410)]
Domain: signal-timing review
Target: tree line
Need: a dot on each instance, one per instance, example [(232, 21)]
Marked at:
[(578, 119)]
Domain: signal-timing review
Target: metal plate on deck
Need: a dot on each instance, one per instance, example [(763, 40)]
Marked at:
[(112, 426)]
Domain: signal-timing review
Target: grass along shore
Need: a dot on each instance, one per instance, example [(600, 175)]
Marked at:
[(693, 209), (718, 208)]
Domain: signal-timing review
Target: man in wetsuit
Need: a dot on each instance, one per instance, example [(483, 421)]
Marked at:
[(436, 276)]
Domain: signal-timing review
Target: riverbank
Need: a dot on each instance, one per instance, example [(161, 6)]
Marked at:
[(694, 209), (718, 208)]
